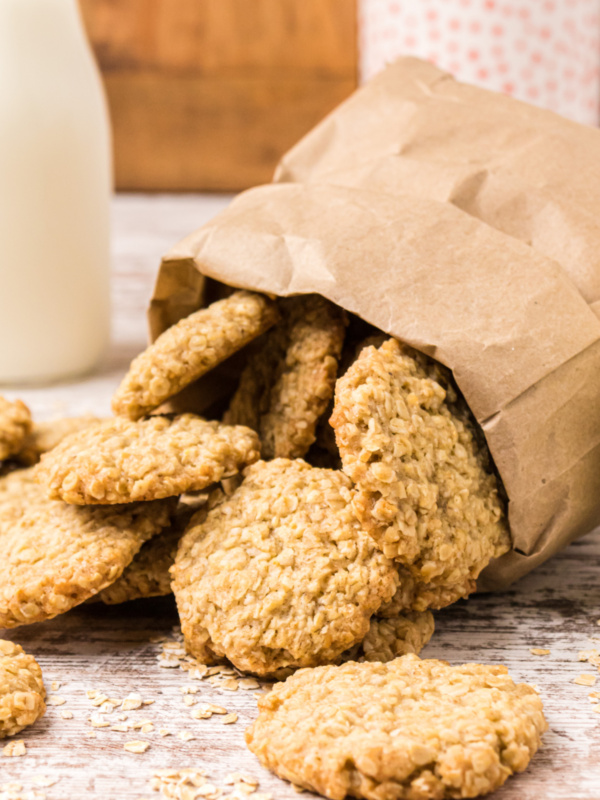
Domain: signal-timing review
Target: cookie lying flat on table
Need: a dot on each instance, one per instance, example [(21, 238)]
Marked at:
[(424, 491), (289, 380), (15, 424), (279, 575), (403, 730), (22, 692), (46, 436), (54, 556), (121, 461), (190, 348)]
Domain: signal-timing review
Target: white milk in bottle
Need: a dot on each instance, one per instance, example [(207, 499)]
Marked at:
[(55, 185)]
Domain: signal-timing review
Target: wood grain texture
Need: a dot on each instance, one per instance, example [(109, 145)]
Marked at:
[(219, 134), (209, 95), (556, 607)]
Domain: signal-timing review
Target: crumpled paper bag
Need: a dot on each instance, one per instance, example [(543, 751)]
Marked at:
[(419, 218)]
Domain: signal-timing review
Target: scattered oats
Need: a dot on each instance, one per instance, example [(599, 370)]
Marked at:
[(99, 700), (591, 656), (55, 686), (90, 734), (189, 690), (539, 651), (147, 728), (13, 786), (227, 671), (14, 749), (148, 702), (44, 780), (56, 700), (596, 709), (229, 685), (215, 709), (249, 683), (66, 714), (164, 732), (244, 789), (137, 746), (91, 693), (131, 702), (199, 673), (185, 736), (140, 724), (585, 680), (228, 719), (208, 790), (188, 700), (168, 663), (98, 722), (108, 707), (241, 777), (201, 713), (213, 670), (120, 728)]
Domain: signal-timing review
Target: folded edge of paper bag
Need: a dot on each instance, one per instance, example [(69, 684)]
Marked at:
[(523, 344), (524, 170)]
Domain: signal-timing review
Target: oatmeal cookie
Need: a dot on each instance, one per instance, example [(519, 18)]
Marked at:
[(403, 730), (395, 636), (15, 424), (54, 556), (148, 574), (46, 436), (423, 488), (190, 348), (417, 596), (121, 461), (279, 575), (22, 692), (289, 380)]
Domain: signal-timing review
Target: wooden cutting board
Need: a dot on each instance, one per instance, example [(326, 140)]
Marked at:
[(208, 94)]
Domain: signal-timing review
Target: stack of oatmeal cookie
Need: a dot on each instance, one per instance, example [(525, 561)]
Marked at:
[(341, 494)]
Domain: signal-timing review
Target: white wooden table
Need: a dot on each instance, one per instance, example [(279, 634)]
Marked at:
[(109, 649)]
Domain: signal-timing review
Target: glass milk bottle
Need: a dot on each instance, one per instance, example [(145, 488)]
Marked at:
[(55, 185)]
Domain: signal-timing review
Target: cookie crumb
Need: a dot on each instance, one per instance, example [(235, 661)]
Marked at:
[(539, 651)]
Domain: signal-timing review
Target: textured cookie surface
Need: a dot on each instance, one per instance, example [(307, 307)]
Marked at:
[(122, 461), (423, 488), (280, 575), (22, 692), (289, 380), (405, 730), (15, 424), (389, 638), (46, 436), (190, 348), (54, 556), (148, 574)]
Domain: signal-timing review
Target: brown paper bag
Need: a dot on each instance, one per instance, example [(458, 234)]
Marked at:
[(511, 322)]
